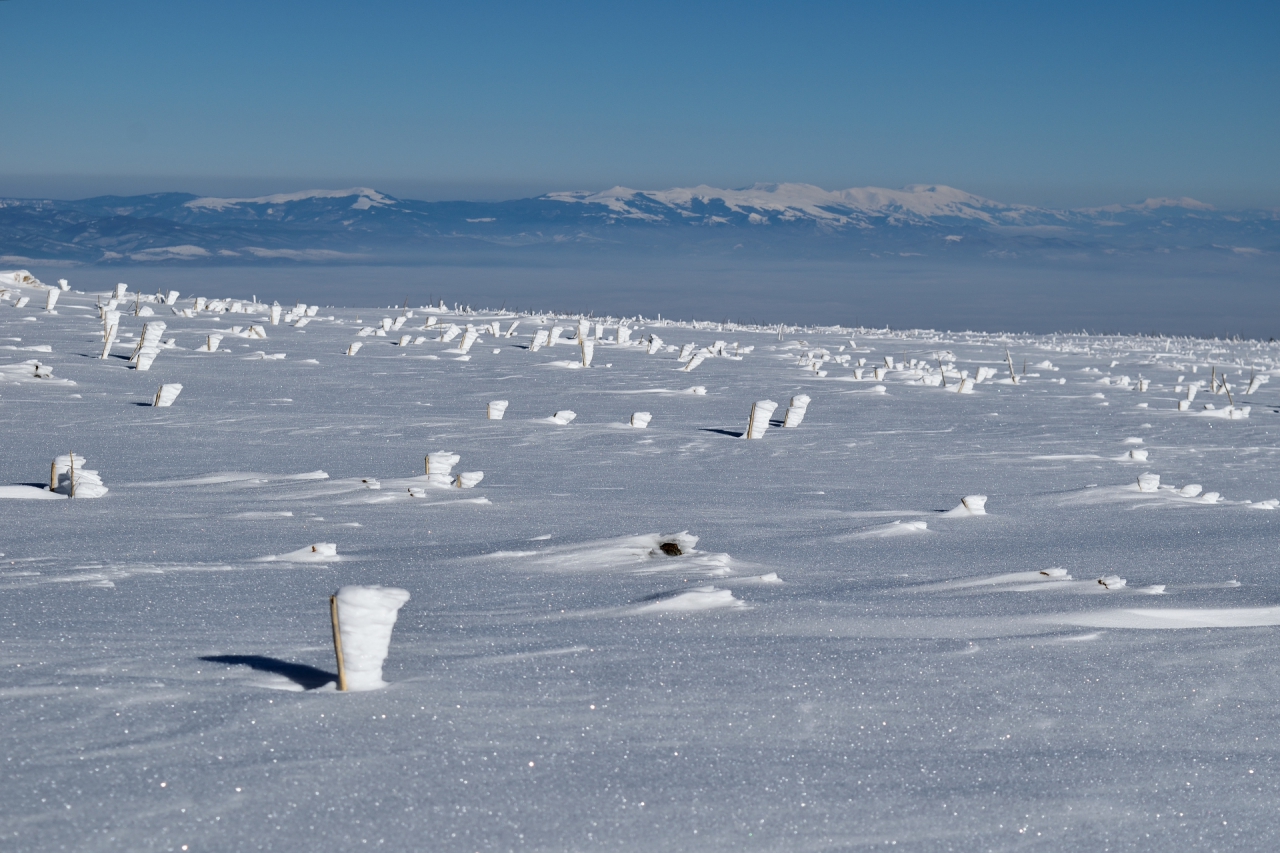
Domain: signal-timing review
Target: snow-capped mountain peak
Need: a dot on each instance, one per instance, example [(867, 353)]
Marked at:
[(365, 199), (792, 201)]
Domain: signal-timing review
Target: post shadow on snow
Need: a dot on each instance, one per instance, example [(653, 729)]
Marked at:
[(307, 677), (729, 432)]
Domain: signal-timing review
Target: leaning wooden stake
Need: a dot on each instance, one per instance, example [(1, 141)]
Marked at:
[(337, 642), (1009, 359), (72, 456)]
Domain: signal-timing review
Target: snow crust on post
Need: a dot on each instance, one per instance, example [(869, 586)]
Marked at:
[(655, 344), (211, 344), (468, 479), (969, 505), (761, 411), (167, 394), (564, 416), (588, 350), (68, 476), (51, 299), (439, 465), (795, 411), (640, 420), (354, 348), (148, 345), (539, 340), (497, 409), (366, 616), (1148, 482)]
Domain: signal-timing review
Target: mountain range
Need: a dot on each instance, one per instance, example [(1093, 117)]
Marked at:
[(361, 224)]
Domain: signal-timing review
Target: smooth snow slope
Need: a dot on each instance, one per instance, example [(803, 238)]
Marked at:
[(657, 639)]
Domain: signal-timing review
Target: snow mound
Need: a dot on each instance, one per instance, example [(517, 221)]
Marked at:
[(694, 601)]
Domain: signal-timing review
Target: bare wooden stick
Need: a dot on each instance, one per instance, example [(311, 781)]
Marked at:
[(53, 475), (943, 371), (1008, 358), (72, 457), (337, 642)]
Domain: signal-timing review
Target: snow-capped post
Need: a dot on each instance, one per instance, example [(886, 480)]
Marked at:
[(275, 314), (795, 411), (68, 476), (694, 361), (584, 329), (469, 338), (337, 642), (761, 411), (51, 299), (438, 465), (468, 479), (363, 617), (539, 341), (148, 346), (167, 394), (1013, 377), (655, 344), (354, 348), (497, 409), (588, 348), (640, 420)]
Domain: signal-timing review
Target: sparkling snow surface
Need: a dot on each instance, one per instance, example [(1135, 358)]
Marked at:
[(651, 639)]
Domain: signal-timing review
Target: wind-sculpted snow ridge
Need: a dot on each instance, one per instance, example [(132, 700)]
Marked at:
[(954, 581)]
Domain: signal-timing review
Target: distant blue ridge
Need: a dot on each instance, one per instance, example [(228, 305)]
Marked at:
[(776, 221)]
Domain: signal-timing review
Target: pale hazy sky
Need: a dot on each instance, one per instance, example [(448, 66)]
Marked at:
[(1064, 103)]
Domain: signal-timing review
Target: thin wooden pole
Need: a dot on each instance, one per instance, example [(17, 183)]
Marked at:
[(72, 457), (337, 642)]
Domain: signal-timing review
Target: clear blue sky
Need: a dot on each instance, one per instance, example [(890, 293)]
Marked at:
[(1066, 103)]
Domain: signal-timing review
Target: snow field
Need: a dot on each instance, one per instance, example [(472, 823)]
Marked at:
[(830, 653)]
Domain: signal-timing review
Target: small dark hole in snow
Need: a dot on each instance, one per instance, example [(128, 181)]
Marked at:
[(671, 549)]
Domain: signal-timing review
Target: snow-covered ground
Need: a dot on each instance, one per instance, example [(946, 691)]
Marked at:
[(667, 638)]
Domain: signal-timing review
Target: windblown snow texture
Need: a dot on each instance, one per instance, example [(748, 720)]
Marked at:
[(919, 619)]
